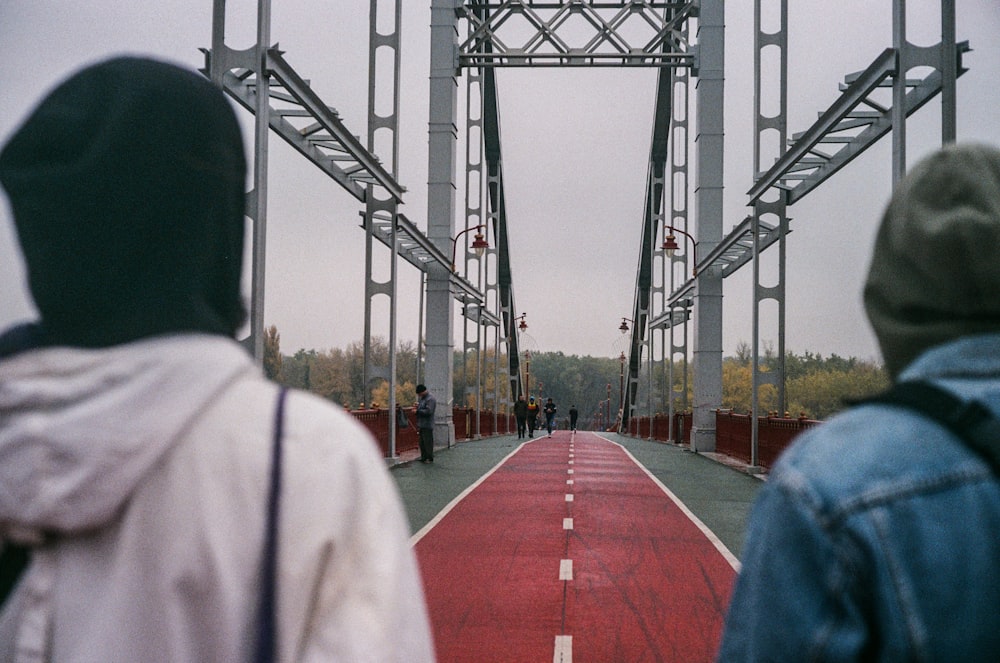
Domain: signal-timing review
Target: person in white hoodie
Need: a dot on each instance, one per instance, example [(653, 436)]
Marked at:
[(138, 438)]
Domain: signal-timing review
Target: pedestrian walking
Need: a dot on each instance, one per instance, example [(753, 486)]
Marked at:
[(425, 407), (573, 415), (550, 415), (521, 415), (533, 412), (162, 500)]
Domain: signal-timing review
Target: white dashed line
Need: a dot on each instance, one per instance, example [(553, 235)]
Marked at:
[(564, 649), (569, 497), (567, 523), (565, 569)]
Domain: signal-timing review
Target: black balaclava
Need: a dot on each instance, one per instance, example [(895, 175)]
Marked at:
[(127, 188)]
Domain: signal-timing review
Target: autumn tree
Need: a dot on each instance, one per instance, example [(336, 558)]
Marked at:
[(272, 353)]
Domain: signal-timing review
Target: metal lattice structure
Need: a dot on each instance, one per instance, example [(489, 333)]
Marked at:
[(580, 33)]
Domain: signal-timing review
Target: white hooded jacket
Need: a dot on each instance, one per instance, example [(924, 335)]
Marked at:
[(140, 473)]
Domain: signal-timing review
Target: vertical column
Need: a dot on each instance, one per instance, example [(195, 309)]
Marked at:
[(776, 208), (709, 96), (473, 340), (680, 77), (899, 91), (442, 142), (383, 209), (258, 201), (949, 72)]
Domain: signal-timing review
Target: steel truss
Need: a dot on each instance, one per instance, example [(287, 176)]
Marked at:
[(262, 81), (626, 33), (633, 33)]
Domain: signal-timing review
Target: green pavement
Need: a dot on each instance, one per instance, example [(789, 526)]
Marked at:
[(718, 495)]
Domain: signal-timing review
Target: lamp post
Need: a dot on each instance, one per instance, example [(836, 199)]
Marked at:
[(523, 326), (621, 384), (479, 243), (670, 245), (609, 403)]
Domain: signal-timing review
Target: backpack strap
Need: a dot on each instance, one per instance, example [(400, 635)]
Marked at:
[(14, 560), (267, 632), (970, 421)]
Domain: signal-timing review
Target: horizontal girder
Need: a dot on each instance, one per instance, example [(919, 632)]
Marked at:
[(576, 33)]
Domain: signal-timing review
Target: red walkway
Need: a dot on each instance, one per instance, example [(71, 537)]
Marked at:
[(570, 551)]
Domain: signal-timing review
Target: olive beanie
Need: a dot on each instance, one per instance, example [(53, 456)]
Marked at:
[(935, 271)]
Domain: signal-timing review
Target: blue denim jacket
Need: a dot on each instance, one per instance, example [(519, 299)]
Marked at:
[(877, 536)]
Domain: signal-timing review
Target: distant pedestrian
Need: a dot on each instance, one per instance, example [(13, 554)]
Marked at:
[(533, 412), (521, 415), (573, 414), (550, 415), (425, 423)]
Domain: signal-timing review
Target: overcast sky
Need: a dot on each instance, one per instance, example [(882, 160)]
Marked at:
[(575, 148)]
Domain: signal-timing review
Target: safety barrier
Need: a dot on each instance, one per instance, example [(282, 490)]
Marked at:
[(732, 433), (377, 421)]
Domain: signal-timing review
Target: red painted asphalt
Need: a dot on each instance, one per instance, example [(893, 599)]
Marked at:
[(570, 551)]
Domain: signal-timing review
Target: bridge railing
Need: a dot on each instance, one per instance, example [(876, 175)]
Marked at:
[(378, 421), (733, 433)]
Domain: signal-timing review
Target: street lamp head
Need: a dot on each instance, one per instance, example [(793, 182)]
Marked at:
[(479, 243), (670, 244), (623, 327)]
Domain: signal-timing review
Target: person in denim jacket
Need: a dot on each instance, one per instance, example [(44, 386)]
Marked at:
[(876, 535)]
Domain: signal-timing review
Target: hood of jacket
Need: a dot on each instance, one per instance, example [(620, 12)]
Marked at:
[(81, 428), (934, 275)]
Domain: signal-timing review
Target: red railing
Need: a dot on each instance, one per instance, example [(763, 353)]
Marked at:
[(732, 433), (378, 421)]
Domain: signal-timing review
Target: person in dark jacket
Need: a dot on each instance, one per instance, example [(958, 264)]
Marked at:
[(573, 415), (521, 415), (550, 415), (425, 423)]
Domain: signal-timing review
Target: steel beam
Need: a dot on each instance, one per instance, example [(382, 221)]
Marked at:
[(626, 33)]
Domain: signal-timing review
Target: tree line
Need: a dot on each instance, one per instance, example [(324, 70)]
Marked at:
[(816, 386)]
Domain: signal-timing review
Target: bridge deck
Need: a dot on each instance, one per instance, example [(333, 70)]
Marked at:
[(598, 547)]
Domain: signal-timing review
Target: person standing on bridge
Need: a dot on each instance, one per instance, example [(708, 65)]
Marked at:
[(521, 415), (161, 499), (550, 415), (875, 537), (573, 415), (426, 405)]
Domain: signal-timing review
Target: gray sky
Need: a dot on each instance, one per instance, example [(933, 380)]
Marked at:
[(575, 147)]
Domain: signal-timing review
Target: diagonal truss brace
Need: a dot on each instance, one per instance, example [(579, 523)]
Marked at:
[(850, 126), (854, 122), (419, 251), (328, 143), (300, 117), (625, 33), (732, 253)]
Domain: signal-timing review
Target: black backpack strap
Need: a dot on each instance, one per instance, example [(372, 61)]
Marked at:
[(971, 421), (267, 621), (14, 560)]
